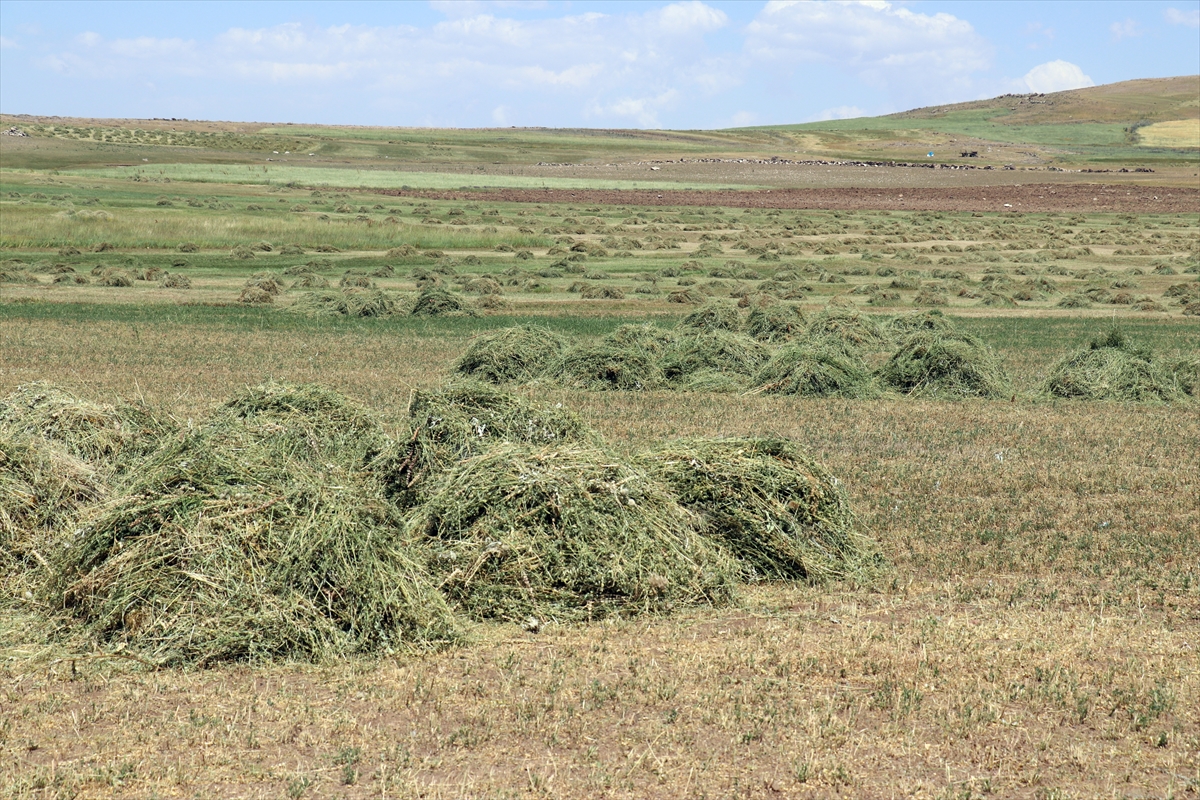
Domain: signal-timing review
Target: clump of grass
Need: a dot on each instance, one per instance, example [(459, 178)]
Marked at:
[(460, 421), (776, 323), (510, 354), (436, 302), (566, 533), (713, 317), (945, 364), (1111, 368), (777, 510), (108, 436), (604, 366), (716, 351), (814, 371)]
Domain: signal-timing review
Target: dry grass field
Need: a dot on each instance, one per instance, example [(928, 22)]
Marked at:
[(1030, 629)]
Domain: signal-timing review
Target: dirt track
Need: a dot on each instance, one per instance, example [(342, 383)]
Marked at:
[(1026, 197)]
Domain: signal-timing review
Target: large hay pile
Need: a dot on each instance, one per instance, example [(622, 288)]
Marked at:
[(781, 513), (110, 436), (945, 365), (717, 351), (510, 354), (567, 532), (460, 421), (815, 371), (847, 328), (647, 337), (604, 366), (259, 535), (1111, 368), (776, 323), (713, 317)]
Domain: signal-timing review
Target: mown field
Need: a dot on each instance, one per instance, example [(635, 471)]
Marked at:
[(1029, 628)]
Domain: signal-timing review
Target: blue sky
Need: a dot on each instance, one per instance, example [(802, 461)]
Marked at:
[(683, 64)]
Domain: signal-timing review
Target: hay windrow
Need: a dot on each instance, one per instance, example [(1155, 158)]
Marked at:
[(945, 365), (510, 354), (777, 510), (813, 371), (460, 421), (1111, 368), (715, 351), (602, 366), (109, 436), (566, 533)]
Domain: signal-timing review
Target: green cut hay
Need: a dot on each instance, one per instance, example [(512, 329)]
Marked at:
[(934, 320), (109, 437), (814, 371), (718, 351), (778, 511), (254, 296), (1187, 376), (1111, 368), (510, 354), (945, 365), (689, 297), (645, 336), (776, 323), (594, 292), (711, 381), (483, 286), (347, 303), (223, 551), (847, 327), (173, 280), (566, 533), (436, 302), (713, 317), (461, 420), (604, 366)]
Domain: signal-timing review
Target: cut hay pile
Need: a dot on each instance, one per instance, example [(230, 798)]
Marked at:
[(776, 323), (713, 317), (259, 535), (847, 328), (1187, 376), (814, 371), (510, 354), (604, 366), (722, 352), (945, 365), (779, 512), (436, 302), (567, 532), (109, 437), (1111, 368), (460, 421), (647, 337), (906, 324), (346, 303)]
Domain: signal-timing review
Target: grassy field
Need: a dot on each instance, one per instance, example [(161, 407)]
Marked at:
[(1031, 631)]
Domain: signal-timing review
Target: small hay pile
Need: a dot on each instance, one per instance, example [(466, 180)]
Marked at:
[(815, 371), (594, 292), (1187, 376), (569, 533), (647, 337), (437, 302), (460, 421), (847, 328), (510, 354), (254, 296), (778, 511), (346, 303), (718, 351), (776, 323), (109, 437), (605, 366), (906, 324), (1111, 368), (259, 535), (713, 317), (173, 280), (945, 365)]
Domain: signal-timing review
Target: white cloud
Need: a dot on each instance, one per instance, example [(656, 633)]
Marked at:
[(1056, 76), (691, 16), (1189, 18), (643, 110), (1125, 30), (839, 112), (743, 119), (6, 43), (887, 46)]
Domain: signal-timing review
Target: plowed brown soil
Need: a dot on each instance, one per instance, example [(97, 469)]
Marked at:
[(1032, 198)]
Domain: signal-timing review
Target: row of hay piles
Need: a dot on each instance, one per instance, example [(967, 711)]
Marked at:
[(1113, 367), (261, 534)]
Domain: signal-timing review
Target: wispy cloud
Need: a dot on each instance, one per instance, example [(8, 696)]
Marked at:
[(1126, 29), (1188, 19)]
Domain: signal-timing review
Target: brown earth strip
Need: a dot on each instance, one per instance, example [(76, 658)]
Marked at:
[(1033, 198)]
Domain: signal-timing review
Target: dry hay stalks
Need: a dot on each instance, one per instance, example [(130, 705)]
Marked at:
[(777, 510), (644, 336), (565, 533), (811, 370), (733, 355), (933, 320), (713, 317), (847, 328), (518, 353), (459, 421), (1187, 376), (259, 535), (436, 302), (1112, 368), (776, 323), (945, 364), (109, 437), (606, 366)]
